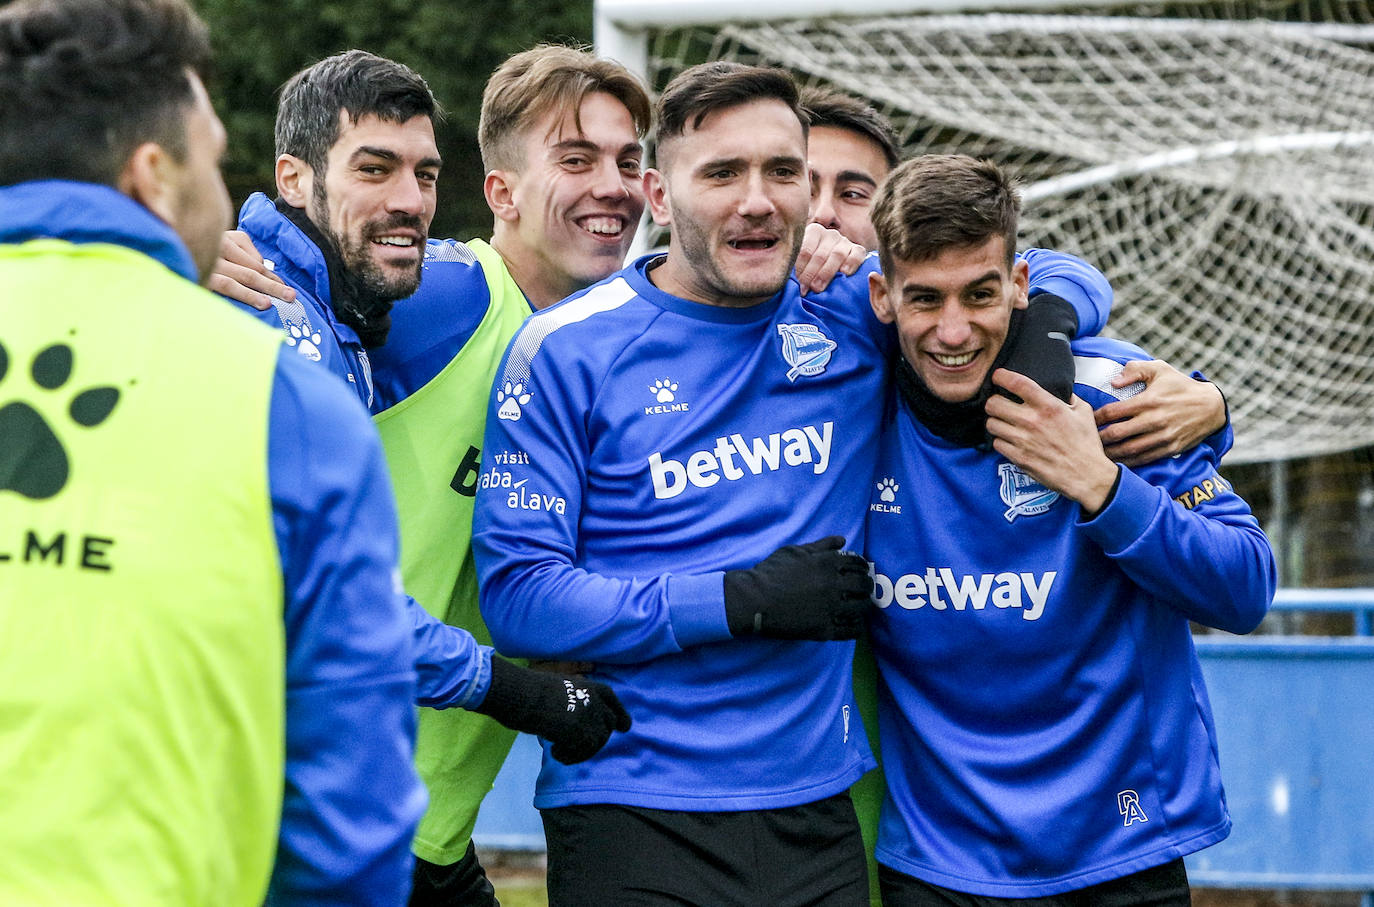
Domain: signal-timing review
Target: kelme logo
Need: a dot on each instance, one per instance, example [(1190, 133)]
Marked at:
[(33, 461)]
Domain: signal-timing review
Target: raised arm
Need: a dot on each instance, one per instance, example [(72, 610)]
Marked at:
[(1178, 529), (1173, 414)]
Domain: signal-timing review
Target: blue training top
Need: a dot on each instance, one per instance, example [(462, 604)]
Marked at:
[(1042, 714)]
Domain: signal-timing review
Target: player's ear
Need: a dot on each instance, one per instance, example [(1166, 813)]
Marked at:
[(656, 194), (295, 180), (1020, 276), (499, 190), (146, 178), (881, 298)]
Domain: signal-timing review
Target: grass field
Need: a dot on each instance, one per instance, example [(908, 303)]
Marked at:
[(521, 893)]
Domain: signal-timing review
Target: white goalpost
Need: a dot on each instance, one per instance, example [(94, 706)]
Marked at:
[(1216, 160)]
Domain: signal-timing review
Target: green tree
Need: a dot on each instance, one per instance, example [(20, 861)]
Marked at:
[(454, 44)]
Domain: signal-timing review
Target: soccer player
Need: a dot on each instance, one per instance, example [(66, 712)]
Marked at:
[(660, 445), (560, 133), (1045, 730), (205, 671), (850, 150)]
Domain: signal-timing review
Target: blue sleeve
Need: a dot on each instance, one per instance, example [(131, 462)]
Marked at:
[(453, 670), (352, 799), (1181, 533), (1074, 280), (536, 602)]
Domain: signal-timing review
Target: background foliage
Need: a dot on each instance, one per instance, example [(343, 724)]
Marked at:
[(454, 44)]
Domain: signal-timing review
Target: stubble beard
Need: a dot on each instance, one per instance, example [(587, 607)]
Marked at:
[(371, 285), (696, 247)]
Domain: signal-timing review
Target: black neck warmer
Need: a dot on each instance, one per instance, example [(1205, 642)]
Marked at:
[(353, 303), (964, 423)]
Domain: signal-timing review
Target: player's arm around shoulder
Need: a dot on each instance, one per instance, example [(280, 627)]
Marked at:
[(352, 798), (1082, 286), (537, 600)]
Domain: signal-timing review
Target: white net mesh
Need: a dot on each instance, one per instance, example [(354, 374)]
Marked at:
[(1220, 172)]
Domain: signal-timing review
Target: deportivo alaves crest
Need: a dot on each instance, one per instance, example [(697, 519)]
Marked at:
[(33, 460), (806, 349)]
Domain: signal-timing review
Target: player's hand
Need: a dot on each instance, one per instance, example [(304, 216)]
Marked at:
[(1172, 414), (1055, 442), (825, 253), (241, 274), (1041, 351), (573, 713), (811, 591)]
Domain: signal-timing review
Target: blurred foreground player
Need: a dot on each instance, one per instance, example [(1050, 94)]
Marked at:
[(199, 549)]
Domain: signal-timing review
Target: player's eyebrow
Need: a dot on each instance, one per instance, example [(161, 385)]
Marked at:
[(387, 154), (909, 289), (586, 144), (855, 176)]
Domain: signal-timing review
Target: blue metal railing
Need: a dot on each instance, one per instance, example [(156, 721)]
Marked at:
[(1360, 602)]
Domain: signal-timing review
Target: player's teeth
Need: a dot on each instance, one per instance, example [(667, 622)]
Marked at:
[(955, 361), (395, 241), (601, 225)]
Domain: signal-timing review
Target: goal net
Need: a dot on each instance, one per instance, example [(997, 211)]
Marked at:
[(1218, 167)]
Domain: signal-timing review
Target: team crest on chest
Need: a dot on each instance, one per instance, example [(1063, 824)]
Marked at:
[(1023, 495), (806, 349)]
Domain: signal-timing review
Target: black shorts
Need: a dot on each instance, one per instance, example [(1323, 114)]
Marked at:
[(799, 856), (1159, 886)]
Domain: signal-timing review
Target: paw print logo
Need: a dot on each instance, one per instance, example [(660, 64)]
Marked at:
[(33, 461), (663, 390), (887, 490), (511, 397), (577, 696), (306, 342)]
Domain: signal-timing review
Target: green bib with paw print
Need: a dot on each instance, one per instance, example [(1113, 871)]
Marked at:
[(141, 636)]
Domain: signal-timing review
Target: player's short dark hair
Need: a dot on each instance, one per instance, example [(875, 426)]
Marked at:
[(557, 77), (943, 201), (354, 82), (706, 88), (85, 82), (827, 107)]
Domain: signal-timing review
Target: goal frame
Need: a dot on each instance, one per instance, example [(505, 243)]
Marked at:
[(620, 27)]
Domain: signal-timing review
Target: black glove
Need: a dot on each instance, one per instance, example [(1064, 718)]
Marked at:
[(576, 715), (811, 591), (1040, 349)]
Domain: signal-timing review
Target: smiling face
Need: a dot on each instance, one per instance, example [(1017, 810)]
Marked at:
[(567, 215), (952, 313), (376, 199), (735, 191), (846, 168)]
